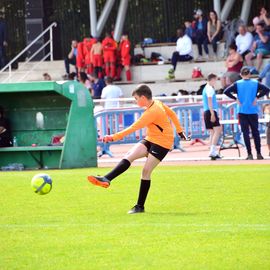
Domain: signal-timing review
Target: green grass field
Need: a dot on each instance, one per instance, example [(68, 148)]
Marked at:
[(206, 217)]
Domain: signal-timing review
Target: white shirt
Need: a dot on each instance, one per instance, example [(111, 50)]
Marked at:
[(184, 45), (244, 43), (111, 91), (209, 90)]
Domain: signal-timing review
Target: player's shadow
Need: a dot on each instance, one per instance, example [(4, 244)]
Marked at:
[(183, 214)]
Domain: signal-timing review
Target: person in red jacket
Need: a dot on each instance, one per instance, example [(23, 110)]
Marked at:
[(109, 46), (80, 63), (125, 55), (88, 43)]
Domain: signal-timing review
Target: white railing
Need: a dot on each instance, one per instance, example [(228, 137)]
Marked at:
[(49, 55)]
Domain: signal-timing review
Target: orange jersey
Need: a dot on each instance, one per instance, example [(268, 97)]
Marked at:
[(156, 119)]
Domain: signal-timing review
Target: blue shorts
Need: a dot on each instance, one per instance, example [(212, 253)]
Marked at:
[(262, 51)]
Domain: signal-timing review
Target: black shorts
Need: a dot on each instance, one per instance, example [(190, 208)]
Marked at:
[(156, 150), (207, 120)]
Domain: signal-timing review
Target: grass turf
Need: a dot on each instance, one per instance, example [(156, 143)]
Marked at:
[(207, 217)]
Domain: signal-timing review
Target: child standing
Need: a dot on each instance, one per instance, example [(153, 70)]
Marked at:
[(211, 119), (157, 143)]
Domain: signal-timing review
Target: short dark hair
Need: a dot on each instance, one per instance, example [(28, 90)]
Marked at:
[(109, 80), (142, 90), (245, 71), (261, 24), (211, 76), (233, 46)]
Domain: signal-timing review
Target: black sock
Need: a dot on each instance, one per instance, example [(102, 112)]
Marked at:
[(122, 166), (144, 188)]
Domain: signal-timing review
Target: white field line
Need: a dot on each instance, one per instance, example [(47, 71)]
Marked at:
[(195, 227), (113, 160)]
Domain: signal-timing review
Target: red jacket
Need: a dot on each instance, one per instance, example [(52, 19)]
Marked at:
[(125, 48), (109, 44)]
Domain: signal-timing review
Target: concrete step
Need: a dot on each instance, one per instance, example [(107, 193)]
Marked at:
[(165, 87), (166, 51), (183, 70)]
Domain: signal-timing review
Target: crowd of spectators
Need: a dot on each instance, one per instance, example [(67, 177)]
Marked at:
[(246, 44)]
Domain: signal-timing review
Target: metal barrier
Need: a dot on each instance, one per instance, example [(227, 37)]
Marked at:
[(190, 117)]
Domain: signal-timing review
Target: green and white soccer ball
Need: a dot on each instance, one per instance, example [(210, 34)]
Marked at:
[(41, 183)]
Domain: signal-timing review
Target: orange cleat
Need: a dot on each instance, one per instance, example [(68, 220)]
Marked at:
[(99, 181)]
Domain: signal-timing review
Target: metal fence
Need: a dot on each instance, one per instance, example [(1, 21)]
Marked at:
[(190, 116)]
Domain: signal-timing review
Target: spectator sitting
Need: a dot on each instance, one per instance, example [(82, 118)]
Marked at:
[(83, 78), (3, 40), (201, 37), (214, 30), (71, 58), (234, 63), (243, 41), (109, 92), (47, 77), (260, 46), (5, 134), (183, 52), (262, 18), (97, 85), (265, 73)]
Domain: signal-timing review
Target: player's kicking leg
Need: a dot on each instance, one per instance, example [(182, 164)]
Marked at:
[(138, 151)]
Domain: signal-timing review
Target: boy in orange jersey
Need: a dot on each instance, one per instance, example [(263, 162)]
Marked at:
[(125, 55), (109, 46), (96, 55), (157, 143)]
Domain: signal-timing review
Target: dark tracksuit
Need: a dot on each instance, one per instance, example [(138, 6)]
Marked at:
[(247, 91), (3, 37), (201, 37)]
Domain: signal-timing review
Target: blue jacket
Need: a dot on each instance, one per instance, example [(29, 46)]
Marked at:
[(204, 27), (247, 91)]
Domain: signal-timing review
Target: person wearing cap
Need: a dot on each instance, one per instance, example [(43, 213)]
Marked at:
[(201, 37), (247, 92)]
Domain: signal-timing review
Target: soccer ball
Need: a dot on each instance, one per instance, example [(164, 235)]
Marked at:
[(41, 183)]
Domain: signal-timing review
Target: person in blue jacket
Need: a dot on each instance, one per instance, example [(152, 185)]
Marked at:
[(247, 92), (200, 34)]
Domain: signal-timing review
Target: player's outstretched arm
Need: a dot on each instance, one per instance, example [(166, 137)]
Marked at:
[(146, 119), (174, 118)]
